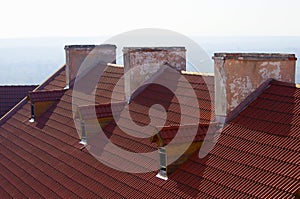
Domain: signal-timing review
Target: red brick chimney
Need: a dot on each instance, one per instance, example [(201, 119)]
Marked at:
[(150, 59), (238, 74), (76, 54)]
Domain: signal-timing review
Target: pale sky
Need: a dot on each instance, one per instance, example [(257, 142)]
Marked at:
[(38, 18)]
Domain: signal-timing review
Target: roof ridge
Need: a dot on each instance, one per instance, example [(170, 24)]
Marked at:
[(45, 83)]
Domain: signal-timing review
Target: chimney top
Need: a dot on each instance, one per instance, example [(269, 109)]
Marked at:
[(254, 56), (152, 49), (80, 47)]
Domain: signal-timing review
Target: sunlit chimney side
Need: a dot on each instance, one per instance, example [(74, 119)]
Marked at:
[(76, 55)]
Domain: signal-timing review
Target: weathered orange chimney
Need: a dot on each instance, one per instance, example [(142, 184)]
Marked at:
[(145, 61), (239, 74), (76, 54)]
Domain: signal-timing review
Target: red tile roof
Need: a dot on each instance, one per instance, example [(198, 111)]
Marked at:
[(11, 95), (251, 159), (257, 154), (157, 94)]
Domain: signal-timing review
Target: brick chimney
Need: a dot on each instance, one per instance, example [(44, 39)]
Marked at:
[(238, 74), (76, 54), (150, 59)]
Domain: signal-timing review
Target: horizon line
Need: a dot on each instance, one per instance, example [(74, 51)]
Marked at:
[(190, 35)]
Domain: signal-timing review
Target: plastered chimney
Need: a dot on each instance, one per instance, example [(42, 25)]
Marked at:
[(238, 74), (147, 61), (76, 54)]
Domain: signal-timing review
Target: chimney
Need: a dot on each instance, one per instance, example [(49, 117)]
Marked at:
[(238, 74), (147, 61), (76, 54)]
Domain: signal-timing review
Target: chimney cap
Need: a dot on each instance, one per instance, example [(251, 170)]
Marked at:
[(151, 49), (254, 56), (89, 46)]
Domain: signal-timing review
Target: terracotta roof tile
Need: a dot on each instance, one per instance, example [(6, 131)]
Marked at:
[(257, 152)]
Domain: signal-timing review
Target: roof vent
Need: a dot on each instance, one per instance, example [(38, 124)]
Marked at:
[(162, 174), (66, 87), (83, 134), (31, 120)]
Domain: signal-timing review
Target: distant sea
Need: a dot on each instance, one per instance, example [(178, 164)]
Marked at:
[(31, 61)]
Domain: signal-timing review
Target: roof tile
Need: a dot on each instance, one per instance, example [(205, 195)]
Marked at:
[(256, 155)]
